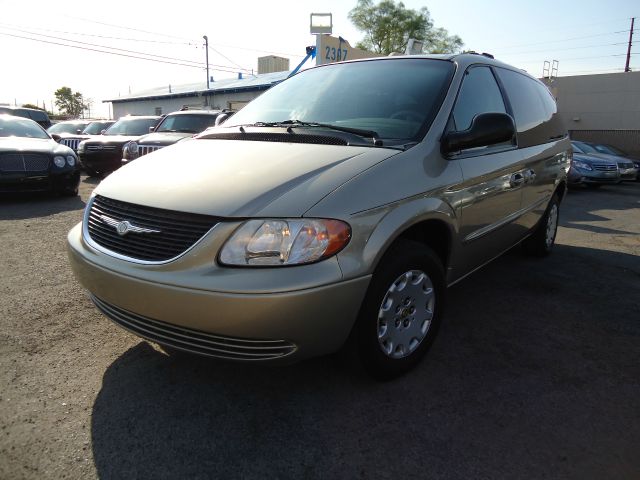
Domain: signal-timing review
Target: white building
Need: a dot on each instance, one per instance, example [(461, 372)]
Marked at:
[(229, 93)]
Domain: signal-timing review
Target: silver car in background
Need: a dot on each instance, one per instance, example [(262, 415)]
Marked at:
[(339, 204)]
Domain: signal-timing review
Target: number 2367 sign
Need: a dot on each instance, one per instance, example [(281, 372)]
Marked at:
[(332, 49)]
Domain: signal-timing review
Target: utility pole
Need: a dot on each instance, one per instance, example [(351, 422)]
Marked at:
[(626, 67), (206, 50)]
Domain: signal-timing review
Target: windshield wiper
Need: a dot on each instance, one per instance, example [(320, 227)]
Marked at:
[(375, 136)]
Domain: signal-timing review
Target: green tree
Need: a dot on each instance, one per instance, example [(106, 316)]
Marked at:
[(388, 26), (69, 103), (31, 105)]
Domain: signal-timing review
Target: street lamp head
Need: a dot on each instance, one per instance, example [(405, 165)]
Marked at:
[(321, 23)]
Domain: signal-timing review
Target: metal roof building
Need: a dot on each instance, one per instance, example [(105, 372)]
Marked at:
[(232, 93)]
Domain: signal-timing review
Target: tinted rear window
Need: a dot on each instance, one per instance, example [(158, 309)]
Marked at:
[(534, 108)]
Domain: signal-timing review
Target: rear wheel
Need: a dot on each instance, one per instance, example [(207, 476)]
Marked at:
[(400, 315), (541, 242)]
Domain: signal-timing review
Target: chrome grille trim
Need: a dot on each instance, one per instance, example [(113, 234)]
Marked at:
[(104, 148), (605, 167), (24, 163), (179, 232), (72, 143), (144, 149), (195, 341)]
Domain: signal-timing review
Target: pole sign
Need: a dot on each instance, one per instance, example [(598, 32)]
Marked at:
[(331, 49)]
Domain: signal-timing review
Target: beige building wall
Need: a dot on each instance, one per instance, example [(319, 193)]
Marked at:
[(599, 102)]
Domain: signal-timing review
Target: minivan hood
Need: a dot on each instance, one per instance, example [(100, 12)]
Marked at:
[(236, 178)]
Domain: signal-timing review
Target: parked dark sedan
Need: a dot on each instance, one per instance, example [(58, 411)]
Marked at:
[(628, 170), (103, 154), (611, 150), (173, 128), (31, 160)]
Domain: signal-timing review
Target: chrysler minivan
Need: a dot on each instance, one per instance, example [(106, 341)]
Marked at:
[(339, 205)]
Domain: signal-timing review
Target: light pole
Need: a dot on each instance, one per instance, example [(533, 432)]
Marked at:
[(206, 50)]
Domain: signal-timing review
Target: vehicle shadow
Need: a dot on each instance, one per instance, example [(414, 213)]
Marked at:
[(18, 206), (515, 386)]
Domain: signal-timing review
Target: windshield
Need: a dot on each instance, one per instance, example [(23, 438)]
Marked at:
[(131, 126), (610, 150), (186, 123), (585, 148), (397, 98), (66, 127), (19, 127), (94, 128)]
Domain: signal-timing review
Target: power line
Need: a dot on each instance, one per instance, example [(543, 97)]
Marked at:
[(19, 27), (164, 57), (568, 48), (567, 39), (114, 53), (132, 29)]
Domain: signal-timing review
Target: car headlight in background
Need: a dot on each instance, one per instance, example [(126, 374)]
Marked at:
[(130, 150), (281, 242), (71, 160), (80, 147), (59, 161), (581, 165)]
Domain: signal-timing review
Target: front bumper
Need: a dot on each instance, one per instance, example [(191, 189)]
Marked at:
[(628, 173), (581, 176), (58, 182), (105, 161), (189, 306)]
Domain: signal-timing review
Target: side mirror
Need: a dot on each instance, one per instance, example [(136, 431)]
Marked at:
[(78, 130), (221, 118), (151, 129), (102, 131), (56, 137), (486, 129)]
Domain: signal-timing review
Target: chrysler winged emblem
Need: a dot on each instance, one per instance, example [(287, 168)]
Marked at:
[(125, 226)]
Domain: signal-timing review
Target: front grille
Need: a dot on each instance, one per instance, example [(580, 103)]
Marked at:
[(605, 167), (24, 163), (106, 148), (176, 231), (144, 149), (72, 143), (195, 341), (625, 165)]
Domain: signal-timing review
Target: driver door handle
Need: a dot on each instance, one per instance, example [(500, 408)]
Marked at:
[(516, 180)]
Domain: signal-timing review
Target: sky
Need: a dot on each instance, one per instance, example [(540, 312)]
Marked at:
[(585, 36)]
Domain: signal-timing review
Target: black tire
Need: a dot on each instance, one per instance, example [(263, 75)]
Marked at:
[(403, 257), (71, 192), (539, 244)]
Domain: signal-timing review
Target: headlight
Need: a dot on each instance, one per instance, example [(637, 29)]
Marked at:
[(581, 165), (80, 147), (132, 148), (71, 160), (59, 161), (280, 242)]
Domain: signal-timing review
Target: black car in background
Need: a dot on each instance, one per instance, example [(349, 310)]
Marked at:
[(68, 127), (173, 128), (95, 127), (103, 154), (31, 160), (38, 116)]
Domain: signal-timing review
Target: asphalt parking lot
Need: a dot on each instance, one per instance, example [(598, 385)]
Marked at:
[(535, 374)]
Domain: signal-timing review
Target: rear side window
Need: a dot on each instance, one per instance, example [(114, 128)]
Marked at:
[(533, 107), (479, 94)]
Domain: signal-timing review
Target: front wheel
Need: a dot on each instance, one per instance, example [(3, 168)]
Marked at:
[(400, 315), (541, 242)]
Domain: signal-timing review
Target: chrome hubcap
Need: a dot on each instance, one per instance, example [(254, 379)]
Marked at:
[(552, 225), (406, 313)]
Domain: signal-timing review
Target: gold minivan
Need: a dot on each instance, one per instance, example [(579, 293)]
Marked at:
[(339, 204)]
